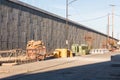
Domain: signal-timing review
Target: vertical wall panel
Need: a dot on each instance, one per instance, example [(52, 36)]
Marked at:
[(1, 20)]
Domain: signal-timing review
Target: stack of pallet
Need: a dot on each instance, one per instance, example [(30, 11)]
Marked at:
[(35, 49)]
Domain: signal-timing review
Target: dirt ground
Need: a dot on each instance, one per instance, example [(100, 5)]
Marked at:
[(90, 67)]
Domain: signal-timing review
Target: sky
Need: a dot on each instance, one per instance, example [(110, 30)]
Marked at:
[(91, 13)]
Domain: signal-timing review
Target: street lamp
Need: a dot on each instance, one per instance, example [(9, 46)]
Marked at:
[(67, 4)]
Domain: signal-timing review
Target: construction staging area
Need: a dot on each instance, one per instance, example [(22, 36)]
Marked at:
[(21, 23), (50, 50)]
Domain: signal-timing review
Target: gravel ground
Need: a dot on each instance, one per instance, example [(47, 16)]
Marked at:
[(90, 67)]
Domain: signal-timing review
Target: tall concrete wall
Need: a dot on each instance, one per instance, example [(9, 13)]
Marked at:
[(20, 22)]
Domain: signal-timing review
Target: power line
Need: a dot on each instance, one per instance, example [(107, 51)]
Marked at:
[(117, 15), (93, 19), (72, 1)]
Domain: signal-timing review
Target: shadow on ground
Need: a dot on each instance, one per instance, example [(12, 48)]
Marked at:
[(98, 71)]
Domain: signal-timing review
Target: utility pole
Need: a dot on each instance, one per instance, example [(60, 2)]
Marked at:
[(112, 20), (66, 25), (108, 27)]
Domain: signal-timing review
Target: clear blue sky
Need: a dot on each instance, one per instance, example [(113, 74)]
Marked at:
[(91, 13)]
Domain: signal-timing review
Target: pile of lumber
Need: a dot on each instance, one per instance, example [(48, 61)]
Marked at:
[(35, 48), (35, 44)]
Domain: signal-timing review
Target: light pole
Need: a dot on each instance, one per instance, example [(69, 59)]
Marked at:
[(67, 27)]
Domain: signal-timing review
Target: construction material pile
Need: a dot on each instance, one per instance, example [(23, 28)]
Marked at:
[(35, 44), (35, 50)]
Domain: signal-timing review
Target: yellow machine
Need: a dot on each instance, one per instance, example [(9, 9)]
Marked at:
[(62, 53)]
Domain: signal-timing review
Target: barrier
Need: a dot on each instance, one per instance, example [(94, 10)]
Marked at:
[(98, 51)]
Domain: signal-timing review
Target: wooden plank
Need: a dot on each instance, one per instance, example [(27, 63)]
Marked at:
[(39, 20), (15, 25), (4, 27), (28, 22), (0, 23)]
